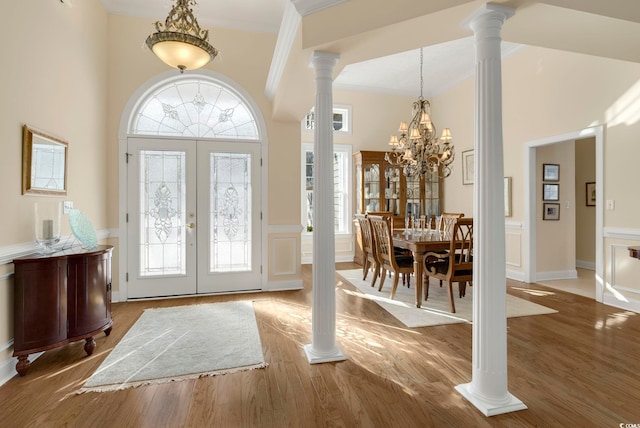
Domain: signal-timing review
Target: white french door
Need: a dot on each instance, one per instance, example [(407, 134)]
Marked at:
[(229, 212), (194, 217)]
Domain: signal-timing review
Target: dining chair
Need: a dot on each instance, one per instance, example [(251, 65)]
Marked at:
[(456, 265), (448, 221), (444, 224), (387, 258), (368, 250)]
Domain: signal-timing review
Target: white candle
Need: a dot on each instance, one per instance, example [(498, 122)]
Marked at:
[(47, 229)]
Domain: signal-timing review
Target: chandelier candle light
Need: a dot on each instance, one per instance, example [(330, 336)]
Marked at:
[(417, 150), (182, 43)]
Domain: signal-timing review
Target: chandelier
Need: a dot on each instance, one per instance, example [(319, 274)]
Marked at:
[(418, 150), (180, 42)]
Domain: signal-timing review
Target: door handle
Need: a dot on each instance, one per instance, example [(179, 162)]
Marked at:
[(190, 225)]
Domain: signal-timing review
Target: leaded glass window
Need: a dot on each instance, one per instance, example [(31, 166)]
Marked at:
[(195, 108)]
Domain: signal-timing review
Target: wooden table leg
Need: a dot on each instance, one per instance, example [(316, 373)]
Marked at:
[(418, 261)]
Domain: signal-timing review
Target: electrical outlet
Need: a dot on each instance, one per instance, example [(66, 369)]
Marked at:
[(68, 206), (611, 204)]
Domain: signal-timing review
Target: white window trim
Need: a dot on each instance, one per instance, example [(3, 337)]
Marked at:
[(337, 108), (347, 186)]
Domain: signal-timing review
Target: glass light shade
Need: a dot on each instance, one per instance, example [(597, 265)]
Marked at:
[(403, 127), (393, 141), (47, 225), (446, 134), (424, 118), (182, 55)]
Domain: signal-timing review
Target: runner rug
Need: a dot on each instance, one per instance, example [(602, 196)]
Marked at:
[(436, 310), (183, 342)]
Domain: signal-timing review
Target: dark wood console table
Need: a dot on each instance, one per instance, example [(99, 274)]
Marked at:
[(634, 252), (60, 298)]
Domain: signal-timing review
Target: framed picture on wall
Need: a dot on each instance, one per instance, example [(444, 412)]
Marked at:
[(590, 196), (551, 211), (550, 192), (550, 172)]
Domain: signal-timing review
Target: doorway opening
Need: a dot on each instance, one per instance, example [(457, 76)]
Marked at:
[(533, 206)]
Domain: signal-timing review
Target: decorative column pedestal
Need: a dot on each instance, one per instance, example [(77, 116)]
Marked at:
[(488, 388), (323, 347)]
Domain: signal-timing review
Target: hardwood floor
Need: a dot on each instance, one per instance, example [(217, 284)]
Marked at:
[(575, 368)]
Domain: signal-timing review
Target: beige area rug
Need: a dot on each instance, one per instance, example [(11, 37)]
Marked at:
[(183, 342), (436, 310)]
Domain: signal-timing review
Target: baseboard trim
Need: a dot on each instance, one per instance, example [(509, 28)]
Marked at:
[(516, 275), (8, 367), (586, 265), (630, 305), (294, 284), (560, 274)]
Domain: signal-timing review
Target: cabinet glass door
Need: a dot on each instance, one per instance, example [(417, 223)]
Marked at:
[(413, 206), (392, 189), (372, 187), (432, 194)]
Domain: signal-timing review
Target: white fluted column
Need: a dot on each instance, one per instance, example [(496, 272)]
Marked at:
[(323, 342), (488, 388)]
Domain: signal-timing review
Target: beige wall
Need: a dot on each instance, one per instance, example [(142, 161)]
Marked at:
[(54, 79), (585, 215), (548, 93), (555, 239)]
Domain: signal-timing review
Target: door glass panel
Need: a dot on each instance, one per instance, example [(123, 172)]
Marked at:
[(162, 213), (230, 212)]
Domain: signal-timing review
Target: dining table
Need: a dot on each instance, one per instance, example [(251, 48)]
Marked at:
[(420, 242)]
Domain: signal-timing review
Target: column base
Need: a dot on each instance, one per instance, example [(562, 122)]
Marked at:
[(490, 408), (315, 358)]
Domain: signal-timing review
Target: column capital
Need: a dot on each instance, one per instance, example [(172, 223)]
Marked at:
[(322, 58), (489, 11)]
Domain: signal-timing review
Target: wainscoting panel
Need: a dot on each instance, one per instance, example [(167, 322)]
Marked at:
[(344, 245), (514, 249), (283, 256), (622, 278), (625, 270)]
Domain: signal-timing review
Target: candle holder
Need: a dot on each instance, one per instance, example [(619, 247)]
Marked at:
[(47, 225)]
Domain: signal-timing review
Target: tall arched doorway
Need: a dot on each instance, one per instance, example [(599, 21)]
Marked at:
[(193, 145)]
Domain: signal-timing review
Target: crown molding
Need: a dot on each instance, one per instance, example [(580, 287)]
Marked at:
[(306, 7), (287, 34)]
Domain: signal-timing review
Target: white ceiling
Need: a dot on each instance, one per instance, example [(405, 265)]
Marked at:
[(254, 15), (445, 64)]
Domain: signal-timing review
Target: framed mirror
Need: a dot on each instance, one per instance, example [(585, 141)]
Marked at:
[(44, 163)]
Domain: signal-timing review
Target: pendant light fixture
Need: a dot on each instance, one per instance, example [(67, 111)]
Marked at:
[(418, 150), (180, 42)]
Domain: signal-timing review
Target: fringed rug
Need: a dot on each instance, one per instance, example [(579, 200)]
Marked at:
[(436, 310), (183, 342)]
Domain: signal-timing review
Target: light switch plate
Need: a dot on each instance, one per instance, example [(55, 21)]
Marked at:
[(611, 204), (68, 206)]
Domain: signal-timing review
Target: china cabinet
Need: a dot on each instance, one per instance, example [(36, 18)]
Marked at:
[(382, 187)]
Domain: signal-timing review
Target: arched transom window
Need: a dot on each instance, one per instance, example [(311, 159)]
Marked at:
[(197, 108)]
